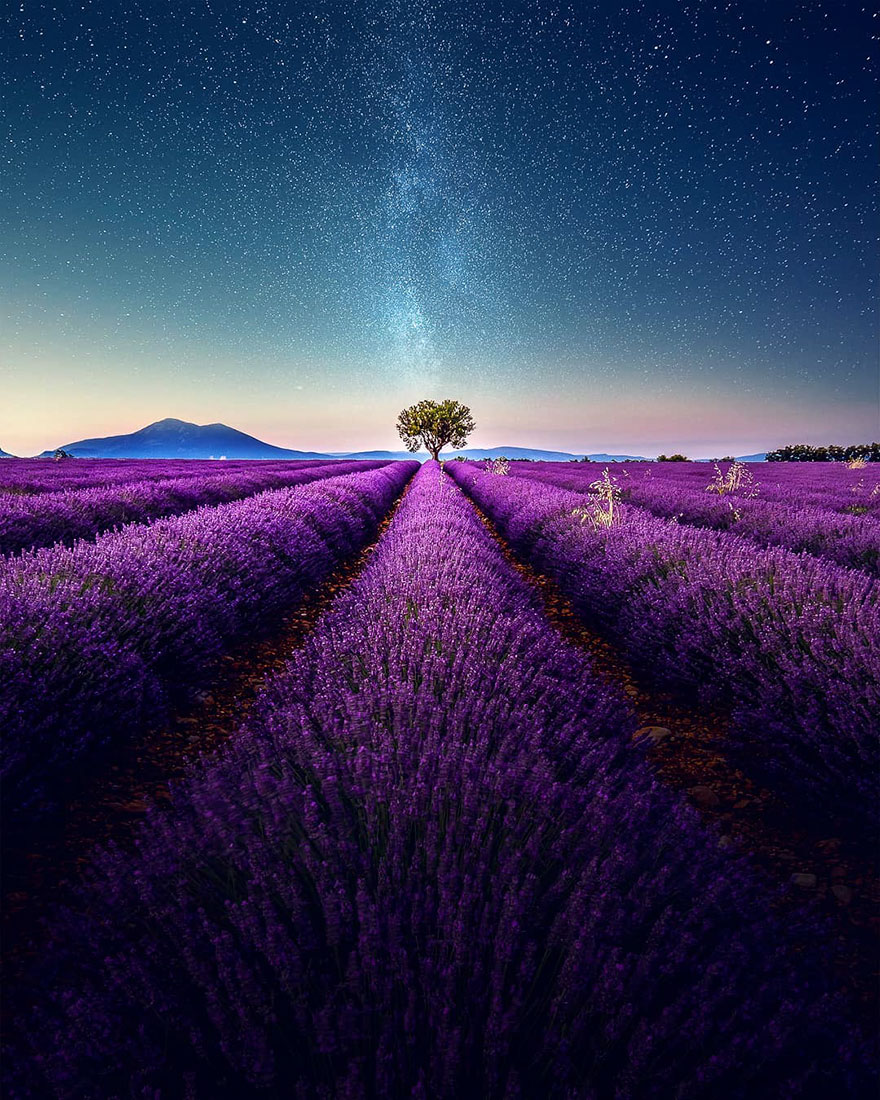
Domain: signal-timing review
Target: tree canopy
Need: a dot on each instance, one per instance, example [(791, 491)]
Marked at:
[(804, 452), (434, 424)]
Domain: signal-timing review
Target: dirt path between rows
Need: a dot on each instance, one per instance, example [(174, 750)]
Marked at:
[(684, 743), (127, 778)]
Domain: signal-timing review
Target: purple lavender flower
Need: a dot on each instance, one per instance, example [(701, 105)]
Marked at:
[(96, 639), (431, 864), (789, 644)]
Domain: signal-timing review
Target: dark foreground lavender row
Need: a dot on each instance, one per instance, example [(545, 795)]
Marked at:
[(847, 539), (93, 638), (791, 644), (42, 519), (433, 866)]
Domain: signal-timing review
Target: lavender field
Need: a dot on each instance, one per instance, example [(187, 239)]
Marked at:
[(474, 779)]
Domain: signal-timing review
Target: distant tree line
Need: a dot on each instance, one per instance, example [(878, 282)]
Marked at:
[(803, 452)]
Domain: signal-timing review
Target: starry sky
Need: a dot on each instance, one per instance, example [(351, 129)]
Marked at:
[(625, 227)]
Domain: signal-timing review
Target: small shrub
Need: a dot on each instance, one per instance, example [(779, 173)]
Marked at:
[(600, 511), (499, 466), (738, 479)]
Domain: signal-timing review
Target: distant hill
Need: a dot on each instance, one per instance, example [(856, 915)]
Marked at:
[(739, 458), (477, 453), (380, 456), (5, 454), (617, 458), (172, 438), (515, 452), (536, 455)]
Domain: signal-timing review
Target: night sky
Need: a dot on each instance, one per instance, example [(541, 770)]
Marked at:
[(628, 227)]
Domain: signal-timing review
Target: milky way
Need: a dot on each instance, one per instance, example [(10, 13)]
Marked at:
[(510, 201)]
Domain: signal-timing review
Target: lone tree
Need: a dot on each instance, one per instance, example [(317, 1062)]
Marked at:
[(433, 424)]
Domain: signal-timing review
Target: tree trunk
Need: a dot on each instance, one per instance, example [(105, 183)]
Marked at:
[(435, 451)]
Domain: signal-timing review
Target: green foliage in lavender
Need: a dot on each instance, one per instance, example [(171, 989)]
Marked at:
[(96, 639), (434, 425), (789, 644), (42, 519), (432, 865)]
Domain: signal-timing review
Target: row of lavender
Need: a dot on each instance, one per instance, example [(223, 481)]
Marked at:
[(789, 517), (38, 520), (834, 486), (95, 639), (30, 476), (789, 644), (433, 864)]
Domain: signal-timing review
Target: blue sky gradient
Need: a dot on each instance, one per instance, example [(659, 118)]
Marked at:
[(634, 227)]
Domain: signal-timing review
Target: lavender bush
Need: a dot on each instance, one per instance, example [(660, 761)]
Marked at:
[(30, 476), (850, 540), (790, 520), (93, 639), (832, 486), (432, 865), (790, 644), (37, 520)]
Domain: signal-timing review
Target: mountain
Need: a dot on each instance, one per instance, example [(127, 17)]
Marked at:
[(617, 458), (739, 458), (536, 455), (5, 454), (172, 438), (381, 456), (515, 452)]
